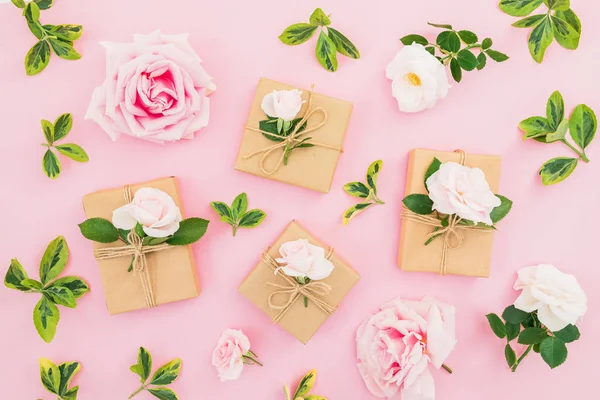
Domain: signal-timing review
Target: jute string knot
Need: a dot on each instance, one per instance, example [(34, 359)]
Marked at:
[(295, 137), (313, 290), (453, 237), (138, 251)]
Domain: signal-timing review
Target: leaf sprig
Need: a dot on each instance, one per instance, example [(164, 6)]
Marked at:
[(279, 130), (581, 125), (163, 376), (304, 386), (329, 43), (53, 133), (236, 215), (455, 48), (63, 291), (532, 333), (559, 22), (57, 38), (57, 379), (367, 192)]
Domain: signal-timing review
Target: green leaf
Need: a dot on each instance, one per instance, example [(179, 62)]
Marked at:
[(190, 230), (531, 321), (528, 22), (50, 374), (509, 354), (143, 368), (239, 206), (555, 110), (553, 351), (152, 241), (536, 348), (305, 384), (67, 372), (75, 284), (73, 151), (66, 32), (410, 39), (519, 8), (497, 325), (343, 44), (562, 5), (419, 204), (36, 28), (62, 126), (443, 26), (540, 38), (163, 393), (48, 130), (468, 37), (139, 230), (481, 61), (431, 50), (373, 173), (455, 70), (19, 3), (449, 41), (357, 189), (37, 58), (568, 334), (565, 34), (583, 125), (167, 373), (326, 51), (533, 335), (32, 12), (512, 331), (15, 275), (487, 43), (45, 319), (252, 219), (513, 315), (318, 17), (270, 126), (32, 284), (64, 50), (432, 169), (44, 4), (496, 55), (223, 211), (557, 170), (61, 296), (51, 165), (354, 211), (467, 60), (571, 41), (54, 259), (502, 210), (297, 34), (560, 133), (99, 230), (314, 397), (535, 127)]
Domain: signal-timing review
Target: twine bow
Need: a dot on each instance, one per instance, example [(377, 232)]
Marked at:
[(313, 290), (136, 249), (452, 233), (294, 138)]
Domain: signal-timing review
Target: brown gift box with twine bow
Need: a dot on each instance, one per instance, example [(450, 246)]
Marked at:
[(473, 256), (311, 167), (172, 271), (272, 293)]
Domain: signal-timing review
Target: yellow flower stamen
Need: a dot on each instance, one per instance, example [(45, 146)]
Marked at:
[(413, 79)]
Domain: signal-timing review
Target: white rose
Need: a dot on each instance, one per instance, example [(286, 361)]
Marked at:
[(283, 104), (461, 190), (302, 259), (154, 209), (557, 297), (419, 80)]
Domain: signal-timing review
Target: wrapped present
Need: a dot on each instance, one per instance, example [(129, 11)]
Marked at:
[(146, 272), (300, 304), (301, 151), (447, 244)]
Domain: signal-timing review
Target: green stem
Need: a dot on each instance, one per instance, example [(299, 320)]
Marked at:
[(234, 229), (143, 387), (305, 302), (514, 367), (447, 368), (253, 359), (579, 153)]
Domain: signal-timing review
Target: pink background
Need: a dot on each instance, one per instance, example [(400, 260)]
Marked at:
[(238, 43)]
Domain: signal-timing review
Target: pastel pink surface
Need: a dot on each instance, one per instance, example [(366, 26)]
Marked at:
[(238, 43)]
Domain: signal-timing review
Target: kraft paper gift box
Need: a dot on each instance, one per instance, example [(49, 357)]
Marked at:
[(302, 322), (473, 257), (172, 271), (311, 167)]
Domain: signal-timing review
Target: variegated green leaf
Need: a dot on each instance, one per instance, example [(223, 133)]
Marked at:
[(54, 259), (71, 394), (167, 373), (318, 17), (62, 126), (357, 189), (45, 319), (530, 21), (540, 38), (239, 206), (555, 110), (32, 12), (61, 295), (519, 8), (19, 3), (560, 132), (143, 368), (163, 393), (557, 170), (314, 397), (48, 130), (50, 375), (64, 50), (297, 34), (252, 219), (583, 125), (572, 41), (305, 384), (73, 151), (75, 284), (51, 165), (66, 32), (37, 58), (15, 275), (535, 127), (565, 34), (562, 5), (343, 44), (32, 284), (372, 174), (44, 4), (326, 52), (67, 372), (223, 211), (354, 211)]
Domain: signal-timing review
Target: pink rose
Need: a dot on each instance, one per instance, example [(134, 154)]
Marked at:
[(229, 355), (283, 104), (155, 89), (396, 345), (154, 209), (302, 259)]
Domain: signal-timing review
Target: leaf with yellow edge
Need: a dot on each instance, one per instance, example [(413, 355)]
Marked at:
[(286, 391), (306, 383), (314, 397)]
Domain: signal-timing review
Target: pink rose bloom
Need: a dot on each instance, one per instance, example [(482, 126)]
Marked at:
[(302, 259), (228, 356), (155, 89), (396, 345)]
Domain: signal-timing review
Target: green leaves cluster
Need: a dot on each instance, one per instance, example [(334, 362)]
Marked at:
[(237, 215), (367, 192), (279, 130), (163, 376), (304, 386), (63, 291), (455, 49), (559, 22), (57, 38), (581, 125), (57, 379), (529, 331), (421, 204), (329, 43), (53, 133)]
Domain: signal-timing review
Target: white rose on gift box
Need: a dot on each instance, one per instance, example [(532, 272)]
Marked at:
[(301, 260), (419, 80), (284, 106)]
